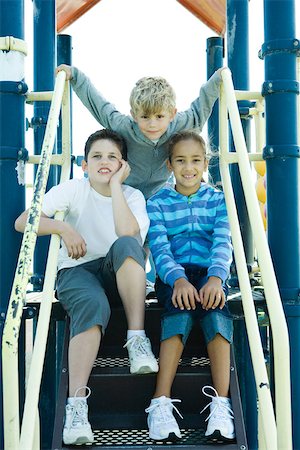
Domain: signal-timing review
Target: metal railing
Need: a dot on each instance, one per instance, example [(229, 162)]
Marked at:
[(29, 437), (277, 434)]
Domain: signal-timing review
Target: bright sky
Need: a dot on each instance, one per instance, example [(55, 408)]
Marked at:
[(119, 41)]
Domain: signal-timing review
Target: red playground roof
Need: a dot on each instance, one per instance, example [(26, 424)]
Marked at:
[(210, 12)]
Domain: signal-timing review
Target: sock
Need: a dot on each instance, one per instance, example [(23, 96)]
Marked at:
[(131, 333), (72, 400)]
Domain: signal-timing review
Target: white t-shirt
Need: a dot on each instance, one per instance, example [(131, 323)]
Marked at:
[(91, 215)]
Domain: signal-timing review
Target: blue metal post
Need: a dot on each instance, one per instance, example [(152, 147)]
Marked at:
[(44, 68), (214, 60), (64, 56), (12, 133), (280, 88), (238, 62)]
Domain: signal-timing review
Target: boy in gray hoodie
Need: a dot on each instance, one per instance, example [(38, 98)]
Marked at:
[(154, 119)]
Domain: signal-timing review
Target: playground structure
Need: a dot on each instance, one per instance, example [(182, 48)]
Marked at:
[(281, 152)]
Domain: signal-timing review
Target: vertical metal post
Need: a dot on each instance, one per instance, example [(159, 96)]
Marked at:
[(282, 153), (238, 62), (214, 60), (12, 141), (64, 56), (44, 68)]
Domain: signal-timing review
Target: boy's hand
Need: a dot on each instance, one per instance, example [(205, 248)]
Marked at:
[(74, 242), (212, 294), (66, 69), (120, 176), (184, 295)]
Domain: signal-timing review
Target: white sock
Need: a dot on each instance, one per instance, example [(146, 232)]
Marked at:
[(131, 333), (72, 400)]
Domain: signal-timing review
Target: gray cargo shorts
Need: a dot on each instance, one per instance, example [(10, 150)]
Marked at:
[(84, 290)]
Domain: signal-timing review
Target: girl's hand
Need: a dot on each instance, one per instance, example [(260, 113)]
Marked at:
[(185, 295), (212, 294)]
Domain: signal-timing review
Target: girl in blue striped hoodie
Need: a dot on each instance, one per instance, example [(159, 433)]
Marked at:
[(190, 242)]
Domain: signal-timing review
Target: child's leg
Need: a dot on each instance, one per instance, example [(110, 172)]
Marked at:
[(83, 350), (170, 353), (124, 271), (219, 354), (131, 283)]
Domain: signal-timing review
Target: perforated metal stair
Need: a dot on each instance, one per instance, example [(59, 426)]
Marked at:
[(118, 401)]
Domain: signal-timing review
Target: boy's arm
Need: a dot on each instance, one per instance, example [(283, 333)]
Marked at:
[(74, 242), (201, 108), (125, 222), (103, 111)]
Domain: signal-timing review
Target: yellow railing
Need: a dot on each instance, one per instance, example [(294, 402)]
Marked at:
[(29, 437), (277, 434)]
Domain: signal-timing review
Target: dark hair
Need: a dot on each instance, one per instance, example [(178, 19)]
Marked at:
[(109, 135), (185, 135)]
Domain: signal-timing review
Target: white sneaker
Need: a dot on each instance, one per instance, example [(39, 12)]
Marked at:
[(161, 422), (150, 289), (140, 355), (77, 429), (220, 420)]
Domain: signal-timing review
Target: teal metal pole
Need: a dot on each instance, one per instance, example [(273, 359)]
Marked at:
[(238, 62), (44, 67), (281, 152), (12, 147), (214, 60)]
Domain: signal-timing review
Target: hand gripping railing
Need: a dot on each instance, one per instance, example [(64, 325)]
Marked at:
[(275, 437), (28, 439)]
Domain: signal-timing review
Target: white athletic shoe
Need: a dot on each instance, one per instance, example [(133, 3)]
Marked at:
[(220, 420), (161, 422), (150, 289), (77, 429), (140, 355)]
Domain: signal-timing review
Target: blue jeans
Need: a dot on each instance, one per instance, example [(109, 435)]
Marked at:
[(174, 321)]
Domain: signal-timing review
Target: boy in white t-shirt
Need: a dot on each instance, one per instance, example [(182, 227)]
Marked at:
[(101, 256)]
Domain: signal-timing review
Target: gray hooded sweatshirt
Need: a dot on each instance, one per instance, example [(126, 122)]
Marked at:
[(147, 159)]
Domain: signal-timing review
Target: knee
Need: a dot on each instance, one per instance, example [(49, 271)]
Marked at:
[(127, 245)]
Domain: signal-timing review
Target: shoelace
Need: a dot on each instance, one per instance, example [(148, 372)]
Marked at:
[(140, 345), (221, 409), (79, 408), (163, 411)]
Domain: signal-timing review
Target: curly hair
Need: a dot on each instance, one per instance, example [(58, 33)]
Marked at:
[(151, 95)]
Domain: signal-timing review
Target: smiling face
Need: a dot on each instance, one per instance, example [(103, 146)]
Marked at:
[(188, 162), (153, 126), (103, 161)]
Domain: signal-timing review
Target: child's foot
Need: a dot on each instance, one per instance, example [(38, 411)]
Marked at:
[(77, 429), (220, 424), (161, 422), (150, 290), (140, 355)]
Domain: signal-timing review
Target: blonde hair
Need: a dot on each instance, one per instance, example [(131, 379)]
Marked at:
[(151, 95)]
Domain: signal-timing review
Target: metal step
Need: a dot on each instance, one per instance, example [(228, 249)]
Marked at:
[(117, 406), (122, 439)]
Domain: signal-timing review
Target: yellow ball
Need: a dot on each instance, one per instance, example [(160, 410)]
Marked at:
[(260, 167), (263, 214), (261, 190)]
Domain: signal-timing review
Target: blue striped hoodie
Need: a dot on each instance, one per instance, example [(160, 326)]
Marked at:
[(189, 230)]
